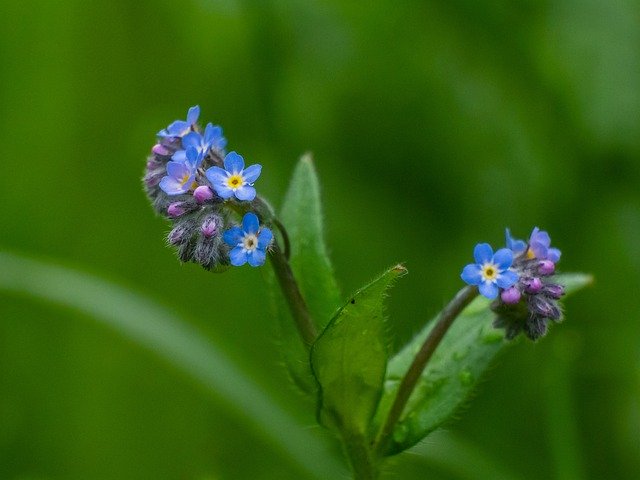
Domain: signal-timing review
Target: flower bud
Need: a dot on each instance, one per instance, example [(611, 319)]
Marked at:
[(176, 209), (202, 194), (511, 295), (209, 227), (553, 290), (160, 149), (546, 268), (533, 285)]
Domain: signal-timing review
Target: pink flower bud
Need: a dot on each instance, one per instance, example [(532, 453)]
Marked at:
[(546, 268), (511, 295), (209, 227), (533, 285), (160, 149), (202, 194), (175, 209)]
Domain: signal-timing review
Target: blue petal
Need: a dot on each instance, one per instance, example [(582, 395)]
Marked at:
[(540, 236), (223, 191), (516, 245), (191, 139), (238, 256), (171, 186), (503, 258), (250, 223), (193, 114), (553, 254), (539, 250), (233, 163), (180, 156), (194, 157), (489, 290), (233, 236), (482, 253), (177, 169), (264, 238), (217, 176), (471, 274), (252, 173), (177, 128), (256, 258), (507, 279), (245, 192)]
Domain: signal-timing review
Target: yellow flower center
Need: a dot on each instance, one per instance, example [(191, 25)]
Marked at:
[(185, 179), (489, 272), (235, 181), (530, 254)]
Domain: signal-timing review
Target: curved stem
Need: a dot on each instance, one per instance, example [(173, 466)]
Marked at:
[(410, 379), (285, 237), (297, 305)]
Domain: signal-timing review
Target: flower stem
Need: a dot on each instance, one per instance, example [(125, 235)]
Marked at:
[(410, 379), (297, 305)]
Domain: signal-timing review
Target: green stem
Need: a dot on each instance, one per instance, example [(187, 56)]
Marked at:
[(293, 296), (410, 379), (363, 463)]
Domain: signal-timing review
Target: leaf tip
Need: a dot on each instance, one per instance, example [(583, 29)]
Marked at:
[(399, 270)]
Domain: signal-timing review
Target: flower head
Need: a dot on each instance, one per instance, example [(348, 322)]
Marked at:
[(249, 242), (539, 245), (180, 128), (181, 176), (234, 179), (491, 271)]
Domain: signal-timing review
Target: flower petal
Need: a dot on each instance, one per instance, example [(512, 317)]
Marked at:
[(180, 156), (194, 157), (489, 290), (193, 114), (177, 128), (250, 223), (233, 236), (540, 236), (238, 256), (177, 170), (217, 175), (482, 253), (471, 274), (514, 244), (171, 186), (245, 192), (252, 173), (192, 139), (264, 238), (256, 258), (503, 258), (539, 250), (507, 279), (553, 254), (233, 163)]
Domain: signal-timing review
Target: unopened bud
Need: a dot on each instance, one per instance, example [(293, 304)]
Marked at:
[(160, 149), (209, 227), (511, 295), (176, 209), (554, 290), (202, 194), (533, 285), (546, 268)]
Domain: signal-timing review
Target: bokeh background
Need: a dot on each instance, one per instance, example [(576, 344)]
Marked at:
[(434, 124)]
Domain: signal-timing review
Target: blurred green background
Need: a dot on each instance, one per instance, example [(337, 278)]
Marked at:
[(434, 124)]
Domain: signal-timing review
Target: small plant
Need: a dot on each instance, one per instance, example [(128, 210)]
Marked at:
[(378, 402)]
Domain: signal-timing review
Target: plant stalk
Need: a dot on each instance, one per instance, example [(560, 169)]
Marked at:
[(297, 305), (410, 379)]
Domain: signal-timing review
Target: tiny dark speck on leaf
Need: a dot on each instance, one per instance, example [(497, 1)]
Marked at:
[(353, 300)]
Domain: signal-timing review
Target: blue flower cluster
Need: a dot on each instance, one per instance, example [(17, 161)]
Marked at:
[(190, 179), (520, 275)]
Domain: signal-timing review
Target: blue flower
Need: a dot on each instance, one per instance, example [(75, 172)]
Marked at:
[(249, 242), (212, 138), (180, 128), (539, 246), (491, 271), (181, 176), (234, 179)]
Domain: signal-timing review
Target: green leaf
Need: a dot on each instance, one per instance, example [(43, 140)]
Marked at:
[(162, 332), (349, 359), (460, 360), (302, 217)]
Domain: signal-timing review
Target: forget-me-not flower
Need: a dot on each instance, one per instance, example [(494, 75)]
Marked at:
[(181, 176), (180, 128), (249, 242), (539, 246), (212, 138), (234, 179), (491, 271)]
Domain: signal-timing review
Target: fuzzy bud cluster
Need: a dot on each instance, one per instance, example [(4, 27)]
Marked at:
[(191, 180), (531, 303)]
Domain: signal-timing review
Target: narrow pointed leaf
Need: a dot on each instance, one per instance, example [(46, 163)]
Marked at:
[(349, 359), (460, 360), (302, 217)]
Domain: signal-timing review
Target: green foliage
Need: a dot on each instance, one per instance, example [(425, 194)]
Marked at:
[(159, 330), (301, 213), (349, 361), (460, 360)]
